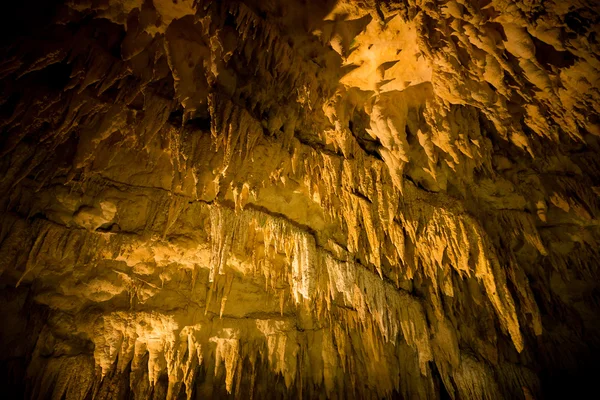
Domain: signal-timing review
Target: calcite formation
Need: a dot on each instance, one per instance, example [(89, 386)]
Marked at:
[(300, 199)]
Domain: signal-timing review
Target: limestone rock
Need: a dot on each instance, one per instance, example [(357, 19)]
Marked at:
[(300, 199)]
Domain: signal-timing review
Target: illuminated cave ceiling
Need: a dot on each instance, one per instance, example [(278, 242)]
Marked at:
[(299, 199)]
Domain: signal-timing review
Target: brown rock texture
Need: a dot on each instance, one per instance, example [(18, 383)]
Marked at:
[(299, 199)]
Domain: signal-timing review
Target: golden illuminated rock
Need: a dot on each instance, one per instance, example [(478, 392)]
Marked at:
[(300, 199)]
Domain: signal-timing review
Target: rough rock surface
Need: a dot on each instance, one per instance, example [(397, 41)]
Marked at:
[(299, 199)]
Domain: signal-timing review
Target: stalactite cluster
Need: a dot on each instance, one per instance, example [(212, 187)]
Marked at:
[(300, 199)]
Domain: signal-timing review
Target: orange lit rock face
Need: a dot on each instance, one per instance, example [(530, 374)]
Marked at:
[(284, 200)]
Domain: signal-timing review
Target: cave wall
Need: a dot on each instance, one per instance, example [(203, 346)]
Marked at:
[(299, 199)]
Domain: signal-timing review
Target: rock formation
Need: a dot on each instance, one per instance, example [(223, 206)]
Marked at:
[(299, 199)]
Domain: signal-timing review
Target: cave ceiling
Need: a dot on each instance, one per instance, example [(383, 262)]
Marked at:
[(299, 199)]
